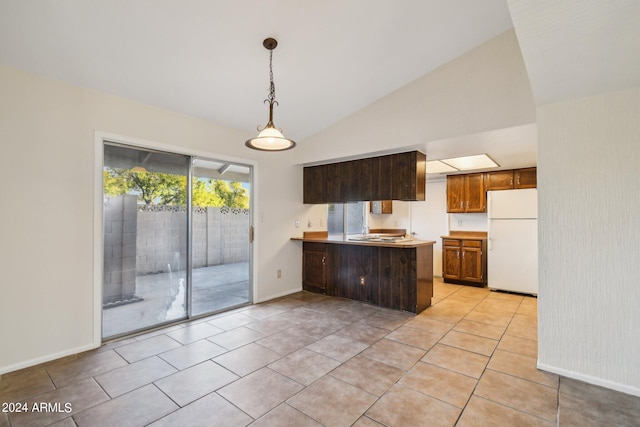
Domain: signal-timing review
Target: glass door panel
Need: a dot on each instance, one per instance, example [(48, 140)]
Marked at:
[(145, 239), (220, 236)]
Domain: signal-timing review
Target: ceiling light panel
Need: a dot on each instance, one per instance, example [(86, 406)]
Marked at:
[(480, 161), (436, 166)]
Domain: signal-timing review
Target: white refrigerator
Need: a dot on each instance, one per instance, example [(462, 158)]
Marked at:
[(513, 240)]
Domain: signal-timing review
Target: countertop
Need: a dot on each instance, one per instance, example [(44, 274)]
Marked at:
[(341, 240), (466, 235)]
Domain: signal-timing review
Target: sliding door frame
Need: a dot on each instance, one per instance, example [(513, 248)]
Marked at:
[(100, 138)]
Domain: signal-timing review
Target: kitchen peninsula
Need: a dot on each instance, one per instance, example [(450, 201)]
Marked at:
[(384, 270)]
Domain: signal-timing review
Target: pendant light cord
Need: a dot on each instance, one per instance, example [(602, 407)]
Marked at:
[(272, 86)]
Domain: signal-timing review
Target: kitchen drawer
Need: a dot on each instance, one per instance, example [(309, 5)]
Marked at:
[(450, 242), (472, 243)]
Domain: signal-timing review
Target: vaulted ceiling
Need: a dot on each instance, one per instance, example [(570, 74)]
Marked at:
[(205, 57)]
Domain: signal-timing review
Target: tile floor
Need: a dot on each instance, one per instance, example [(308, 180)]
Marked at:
[(311, 360)]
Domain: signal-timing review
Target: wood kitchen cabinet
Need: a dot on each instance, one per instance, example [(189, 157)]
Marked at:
[(314, 267), (499, 180), (356, 180), (511, 179), (525, 178), (394, 177), (464, 260), (466, 193), (330, 183), (408, 177), (382, 172), (400, 278), (313, 178)]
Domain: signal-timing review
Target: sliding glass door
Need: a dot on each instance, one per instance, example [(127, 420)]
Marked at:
[(221, 221), (176, 238)]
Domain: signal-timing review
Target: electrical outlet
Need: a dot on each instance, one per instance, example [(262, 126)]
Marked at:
[(297, 223), (459, 223), (279, 274)]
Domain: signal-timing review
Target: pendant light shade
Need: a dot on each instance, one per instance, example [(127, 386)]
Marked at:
[(270, 138)]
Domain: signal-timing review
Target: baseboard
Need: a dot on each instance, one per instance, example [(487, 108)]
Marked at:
[(48, 358), (278, 295), (624, 388)]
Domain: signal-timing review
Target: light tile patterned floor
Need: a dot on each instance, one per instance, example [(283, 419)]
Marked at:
[(311, 360)]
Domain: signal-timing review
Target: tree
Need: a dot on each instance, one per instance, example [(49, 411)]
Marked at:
[(168, 189)]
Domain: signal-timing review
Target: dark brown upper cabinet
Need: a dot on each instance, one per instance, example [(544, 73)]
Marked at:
[(313, 191), (382, 184), (393, 177), (408, 178)]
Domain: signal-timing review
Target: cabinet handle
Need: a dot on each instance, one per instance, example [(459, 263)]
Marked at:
[(462, 254), (461, 204), (518, 180), (458, 252), (323, 260), (467, 205)]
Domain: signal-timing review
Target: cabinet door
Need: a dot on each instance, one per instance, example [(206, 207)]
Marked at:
[(408, 176), (499, 180), (347, 184), (313, 180), (382, 180), (365, 176), (526, 178), (471, 270), (475, 193), (331, 173), (314, 268), (451, 262), (401, 177), (455, 193)]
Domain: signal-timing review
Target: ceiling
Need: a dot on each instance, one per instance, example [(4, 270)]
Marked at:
[(578, 48), (205, 58)]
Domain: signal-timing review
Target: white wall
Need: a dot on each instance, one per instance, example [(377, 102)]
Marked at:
[(468, 222), (589, 289), (400, 217), (429, 219), (47, 132), (485, 89)]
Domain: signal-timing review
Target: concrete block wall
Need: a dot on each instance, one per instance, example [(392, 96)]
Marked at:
[(120, 229), (220, 236), (234, 234), (152, 239), (161, 239)]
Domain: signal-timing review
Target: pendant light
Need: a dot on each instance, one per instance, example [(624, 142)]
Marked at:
[(270, 138)]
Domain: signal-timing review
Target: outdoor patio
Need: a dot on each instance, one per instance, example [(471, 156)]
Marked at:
[(163, 297)]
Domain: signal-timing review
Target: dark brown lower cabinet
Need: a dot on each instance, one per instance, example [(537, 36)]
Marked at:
[(397, 278), (314, 267)]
